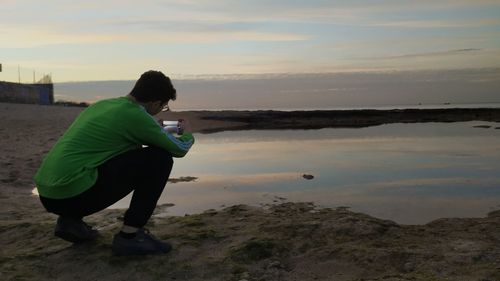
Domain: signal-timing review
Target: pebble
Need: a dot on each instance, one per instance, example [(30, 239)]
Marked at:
[(408, 267), (274, 264), (308, 177)]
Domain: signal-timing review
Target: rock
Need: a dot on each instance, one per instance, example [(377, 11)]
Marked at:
[(409, 267), (182, 179), (244, 276), (495, 213), (274, 264), (308, 177), (483, 126)]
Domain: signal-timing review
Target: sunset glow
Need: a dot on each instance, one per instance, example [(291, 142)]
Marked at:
[(117, 40)]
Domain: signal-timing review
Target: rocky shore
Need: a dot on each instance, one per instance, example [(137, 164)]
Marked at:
[(244, 120), (285, 241)]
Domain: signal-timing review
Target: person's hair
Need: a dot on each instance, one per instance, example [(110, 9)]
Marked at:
[(153, 86)]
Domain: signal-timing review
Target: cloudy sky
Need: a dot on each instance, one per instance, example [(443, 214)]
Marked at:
[(117, 40)]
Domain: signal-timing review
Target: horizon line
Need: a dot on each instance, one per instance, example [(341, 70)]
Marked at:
[(270, 75)]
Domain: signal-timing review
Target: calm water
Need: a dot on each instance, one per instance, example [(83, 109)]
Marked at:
[(409, 173)]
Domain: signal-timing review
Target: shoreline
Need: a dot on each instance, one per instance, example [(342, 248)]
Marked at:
[(215, 121), (206, 121), (288, 241)]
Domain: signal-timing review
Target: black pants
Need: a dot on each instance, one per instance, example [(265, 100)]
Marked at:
[(144, 171)]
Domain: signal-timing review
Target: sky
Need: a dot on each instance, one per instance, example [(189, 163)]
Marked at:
[(118, 40)]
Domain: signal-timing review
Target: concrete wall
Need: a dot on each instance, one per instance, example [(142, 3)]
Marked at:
[(26, 93)]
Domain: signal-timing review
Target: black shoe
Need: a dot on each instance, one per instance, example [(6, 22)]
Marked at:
[(144, 243), (74, 230)]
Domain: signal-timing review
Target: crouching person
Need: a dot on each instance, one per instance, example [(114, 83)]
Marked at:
[(114, 147)]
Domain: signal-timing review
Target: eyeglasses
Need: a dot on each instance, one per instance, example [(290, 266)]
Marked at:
[(165, 107)]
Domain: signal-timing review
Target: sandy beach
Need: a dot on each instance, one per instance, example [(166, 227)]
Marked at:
[(286, 241)]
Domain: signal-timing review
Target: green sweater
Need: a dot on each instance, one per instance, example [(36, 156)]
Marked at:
[(103, 130)]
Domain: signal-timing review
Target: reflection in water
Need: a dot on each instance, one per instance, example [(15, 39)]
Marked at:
[(410, 173)]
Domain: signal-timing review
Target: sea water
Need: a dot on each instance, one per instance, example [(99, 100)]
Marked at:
[(409, 173)]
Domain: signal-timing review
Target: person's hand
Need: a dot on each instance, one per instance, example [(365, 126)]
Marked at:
[(184, 125)]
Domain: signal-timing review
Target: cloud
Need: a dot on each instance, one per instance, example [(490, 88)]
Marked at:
[(429, 54), (210, 21), (200, 29), (212, 36), (28, 37), (34, 37), (436, 23), (334, 12)]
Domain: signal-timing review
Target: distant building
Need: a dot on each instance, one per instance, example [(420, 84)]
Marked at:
[(39, 93)]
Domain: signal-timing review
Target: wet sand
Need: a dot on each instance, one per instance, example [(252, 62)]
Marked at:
[(287, 241)]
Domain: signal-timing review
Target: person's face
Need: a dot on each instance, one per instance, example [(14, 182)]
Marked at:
[(155, 107)]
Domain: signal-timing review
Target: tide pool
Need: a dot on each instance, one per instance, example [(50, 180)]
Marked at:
[(409, 173)]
